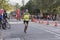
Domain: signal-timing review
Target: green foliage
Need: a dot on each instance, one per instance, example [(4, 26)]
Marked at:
[(45, 6), (5, 5)]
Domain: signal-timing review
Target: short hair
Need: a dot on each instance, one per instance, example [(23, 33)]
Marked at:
[(4, 10)]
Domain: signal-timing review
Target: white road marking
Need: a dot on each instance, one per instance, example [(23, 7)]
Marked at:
[(57, 35), (13, 39), (15, 22)]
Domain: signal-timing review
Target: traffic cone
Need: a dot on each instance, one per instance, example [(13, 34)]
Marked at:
[(56, 24), (39, 21), (42, 22), (47, 23), (33, 20), (36, 20)]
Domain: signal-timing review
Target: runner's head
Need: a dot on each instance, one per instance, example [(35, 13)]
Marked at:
[(4, 11), (26, 10)]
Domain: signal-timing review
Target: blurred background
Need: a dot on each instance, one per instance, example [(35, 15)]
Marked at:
[(41, 9)]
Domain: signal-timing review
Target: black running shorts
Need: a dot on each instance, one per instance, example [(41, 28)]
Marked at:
[(26, 22)]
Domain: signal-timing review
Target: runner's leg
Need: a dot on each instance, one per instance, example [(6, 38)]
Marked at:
[(26, 25)]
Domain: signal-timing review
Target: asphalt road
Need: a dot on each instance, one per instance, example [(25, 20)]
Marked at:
[(35, 31)]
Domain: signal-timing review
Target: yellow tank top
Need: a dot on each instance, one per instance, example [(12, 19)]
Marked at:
[(26, 17)]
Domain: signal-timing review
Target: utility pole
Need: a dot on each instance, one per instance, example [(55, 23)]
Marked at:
[(23, 2), (23, 6)]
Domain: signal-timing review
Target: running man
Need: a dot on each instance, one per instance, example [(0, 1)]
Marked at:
[(26, 20)]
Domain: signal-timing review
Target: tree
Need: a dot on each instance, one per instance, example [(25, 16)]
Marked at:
[(5, 5), (31, 7), (44, 6)]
